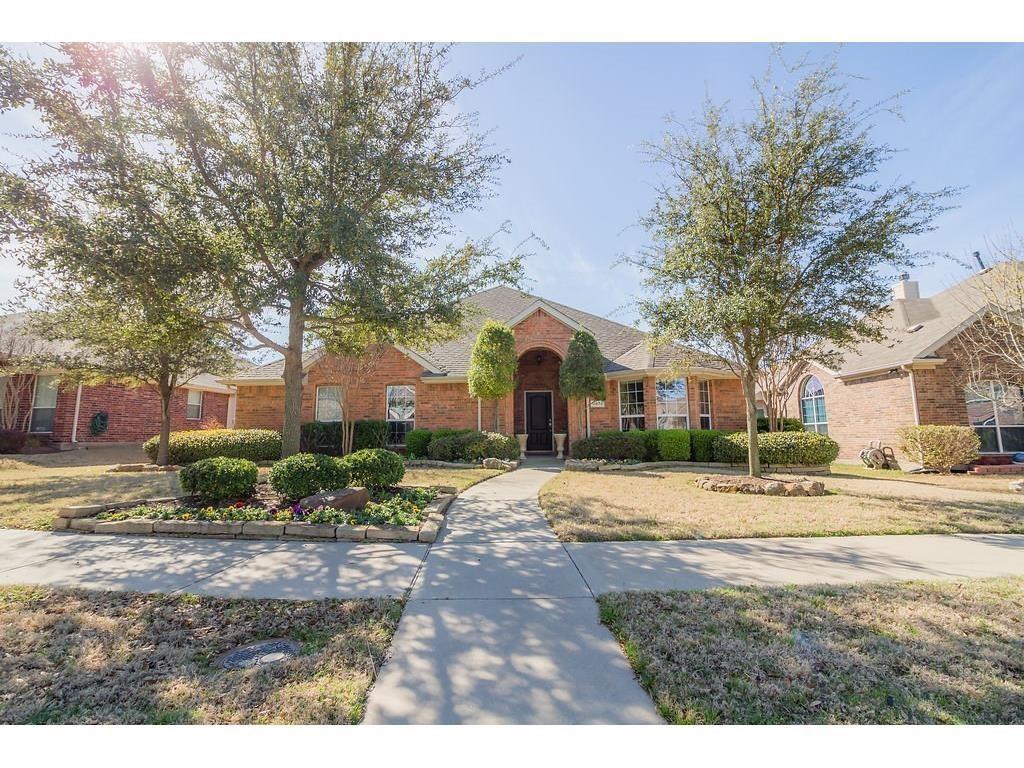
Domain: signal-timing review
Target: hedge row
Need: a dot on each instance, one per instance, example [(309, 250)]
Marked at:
[(706, 445), (462, 445), (779, 448), (193, 445), (325, 436)]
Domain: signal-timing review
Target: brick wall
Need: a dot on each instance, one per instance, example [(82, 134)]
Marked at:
[(863, 409), (133, 413), (940, 394)]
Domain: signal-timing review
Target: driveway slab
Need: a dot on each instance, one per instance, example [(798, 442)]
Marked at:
[(660, 565), (506, 661), (498, 570)]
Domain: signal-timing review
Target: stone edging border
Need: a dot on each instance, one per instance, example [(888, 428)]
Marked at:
[(82, 519), (590, 465), (507, 465)]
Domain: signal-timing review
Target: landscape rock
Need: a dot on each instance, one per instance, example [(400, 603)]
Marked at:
[(392, 532), (177, 526), (344, 498), (87, 524), (317, 530), (582, 465), (499, 464), (429, 530), (128, 468), (350, 532), (760, 485), (60, 523), (85, 510), (262, 528), (218, 527), (133, 525), (1017, 486)]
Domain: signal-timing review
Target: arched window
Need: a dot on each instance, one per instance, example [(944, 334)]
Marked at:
[(812, 406)]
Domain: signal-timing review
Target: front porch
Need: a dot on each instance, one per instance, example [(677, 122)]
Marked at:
[(539, 411)]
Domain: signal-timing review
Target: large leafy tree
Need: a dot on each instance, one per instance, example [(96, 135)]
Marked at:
[(776, 226), (493, 364), (326, 172), (581, 375), (117, 333)]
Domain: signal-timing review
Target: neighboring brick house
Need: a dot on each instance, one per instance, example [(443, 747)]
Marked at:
[(62, 415), (427, 388), (910, 377)]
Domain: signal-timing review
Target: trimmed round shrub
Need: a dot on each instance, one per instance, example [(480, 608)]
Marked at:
[(192, 445), (457, 446), (702, 444), (303, 474), (374, 468), (416, 443), (788, 424), (940, 447), (673, 444), (494, 446), (12, 440), (220, 478), (806, 449), (612, 446)]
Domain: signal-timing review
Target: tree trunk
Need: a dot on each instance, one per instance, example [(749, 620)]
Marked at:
[(753, 457), (163, 446), (290, 431)]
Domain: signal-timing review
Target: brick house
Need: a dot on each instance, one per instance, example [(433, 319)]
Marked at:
[(64, 415), (911, 377), (427, 388)]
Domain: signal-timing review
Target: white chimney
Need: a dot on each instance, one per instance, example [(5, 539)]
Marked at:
[(906, 288)]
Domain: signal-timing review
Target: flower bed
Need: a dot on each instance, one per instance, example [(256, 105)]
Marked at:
[(393, 514)]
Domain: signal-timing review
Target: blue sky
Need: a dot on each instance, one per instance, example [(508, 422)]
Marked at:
[(572, 119)]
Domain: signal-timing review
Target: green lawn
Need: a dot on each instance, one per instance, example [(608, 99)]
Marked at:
[(882, 653), (72, 656)]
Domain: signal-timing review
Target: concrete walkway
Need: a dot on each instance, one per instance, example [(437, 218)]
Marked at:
[(502, 628), (295, 570)]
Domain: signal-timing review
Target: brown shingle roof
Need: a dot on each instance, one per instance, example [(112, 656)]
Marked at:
[(623, 347)]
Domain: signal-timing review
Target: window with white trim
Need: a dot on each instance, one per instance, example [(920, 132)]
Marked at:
[(401, 412), (631, 405), (704, 398), (996, 411), (672, 401), (812, 406), (44, 404), (194, 405), (328, 403)]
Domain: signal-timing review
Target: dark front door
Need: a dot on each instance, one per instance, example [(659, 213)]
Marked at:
[(538, 421)]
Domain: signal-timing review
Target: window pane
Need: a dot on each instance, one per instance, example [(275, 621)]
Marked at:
[(1009, 409), (705, 422), (194, 405), (672, 422), (980, 412), (989, 440), (401, 412), (631, 405), (1013, 439), (328, 403), (46, 392)]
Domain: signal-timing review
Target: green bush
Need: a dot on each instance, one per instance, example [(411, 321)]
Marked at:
[(702, 444), (468, 445), (370, 433), (195, 444), (651, 444), (494, 446), (788, 425), (374, 468), (220, 478), (416, 443), (612, 446), (779, 448), (304, 474), (940, 447), (673, 444)]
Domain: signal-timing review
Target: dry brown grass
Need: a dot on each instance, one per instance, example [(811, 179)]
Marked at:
[(606, 506), (882, 653), (961, 480), (33, 488), (459, 478), (71, 656)]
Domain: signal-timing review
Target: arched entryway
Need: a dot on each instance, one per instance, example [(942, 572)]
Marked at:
[(539, 410)]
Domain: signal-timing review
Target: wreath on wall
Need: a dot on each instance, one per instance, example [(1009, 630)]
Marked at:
[(98, 423)]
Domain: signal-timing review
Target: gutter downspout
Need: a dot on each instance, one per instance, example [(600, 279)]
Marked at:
[(479, 416), (913, 397), (586, 404), (78, 408)]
